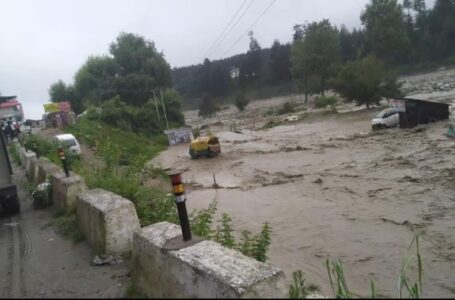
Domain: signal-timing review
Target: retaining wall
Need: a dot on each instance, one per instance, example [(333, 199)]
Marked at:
[(45, 167), (167, 267), (107, 220), (163, 265), (65, 190)]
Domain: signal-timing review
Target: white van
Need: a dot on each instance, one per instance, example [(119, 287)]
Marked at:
[(387, 118), (68, 140)]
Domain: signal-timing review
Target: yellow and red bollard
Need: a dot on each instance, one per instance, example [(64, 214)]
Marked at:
[(179, 192), (61, 153)]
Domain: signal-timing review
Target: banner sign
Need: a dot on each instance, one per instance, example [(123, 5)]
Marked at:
[(64, 106), (51, 107), (397, 104)]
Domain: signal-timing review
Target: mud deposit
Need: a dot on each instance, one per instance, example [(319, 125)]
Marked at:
[(330, 188)]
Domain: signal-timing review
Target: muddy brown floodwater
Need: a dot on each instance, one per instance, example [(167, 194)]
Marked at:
[(330, 188)]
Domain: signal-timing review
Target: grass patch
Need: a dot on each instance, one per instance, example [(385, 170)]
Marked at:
[(14, 154), (325, 101), (133, 292), (299, 289), (406, 287), (271, 123), (129, 145), (67, 226)]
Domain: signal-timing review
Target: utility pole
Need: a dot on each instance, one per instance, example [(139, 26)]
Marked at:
[(156, 106), (164, 109)]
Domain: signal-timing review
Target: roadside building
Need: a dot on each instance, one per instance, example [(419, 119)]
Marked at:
[(180, 135), (415, 111), (10, 109), (59, 114)]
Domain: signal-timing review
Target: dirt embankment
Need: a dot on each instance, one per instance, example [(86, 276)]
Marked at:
[(330, 188)]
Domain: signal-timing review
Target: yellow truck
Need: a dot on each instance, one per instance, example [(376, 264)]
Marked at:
[(207, 146)]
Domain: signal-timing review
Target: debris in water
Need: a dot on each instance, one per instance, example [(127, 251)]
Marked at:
[(319, 181)]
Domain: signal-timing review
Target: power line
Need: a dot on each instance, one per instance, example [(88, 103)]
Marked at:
[(238, 20), (249, 28), (188, 80), (222, 32)]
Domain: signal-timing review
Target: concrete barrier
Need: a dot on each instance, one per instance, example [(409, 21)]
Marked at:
[(30, 159), (65, 190), (164, 268), (33, 170), (107, 220), (22, 156), (45, 167)]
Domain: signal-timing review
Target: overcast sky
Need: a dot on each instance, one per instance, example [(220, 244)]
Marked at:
[(42, 41)]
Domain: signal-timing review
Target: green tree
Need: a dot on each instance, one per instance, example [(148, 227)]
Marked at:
[(141, 68), (59, 91), (94, 80), (279, 63), (207, 107), (365, 81), (441, 27), (251, 67), (386, 31), (241, 102), (351, 44), (173, 103), (315, 56)]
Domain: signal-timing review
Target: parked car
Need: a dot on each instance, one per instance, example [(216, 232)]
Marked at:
[(387, 118), (25, 129), (69, 141)]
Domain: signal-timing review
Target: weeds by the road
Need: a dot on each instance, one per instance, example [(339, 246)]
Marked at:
[(14, 154), (132, 292), (67, 225), (338, 282), (286, 108), (324, 101), (299, 289), (255, 246)]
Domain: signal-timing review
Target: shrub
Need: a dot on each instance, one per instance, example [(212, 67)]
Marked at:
[(324, 101), (14, 154), (241, 102), (299, 289), (287, 108), (207, 107)]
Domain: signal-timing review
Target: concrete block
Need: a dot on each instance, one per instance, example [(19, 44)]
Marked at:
[(22, 156), (201, 270), (65, 190), (107, 220), (30, 157), (32, 172), (45, 167)]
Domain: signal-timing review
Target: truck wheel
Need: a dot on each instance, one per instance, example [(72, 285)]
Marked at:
[(10, 206)]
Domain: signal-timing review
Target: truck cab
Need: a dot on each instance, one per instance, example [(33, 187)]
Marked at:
[(9, 202)]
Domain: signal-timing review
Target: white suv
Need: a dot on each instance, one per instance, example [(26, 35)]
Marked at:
[(387, 118), (68, 140)]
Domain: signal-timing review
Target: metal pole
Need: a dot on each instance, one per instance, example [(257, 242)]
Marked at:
[(61, 153), (156, 106), (164, 109), (180, 199)]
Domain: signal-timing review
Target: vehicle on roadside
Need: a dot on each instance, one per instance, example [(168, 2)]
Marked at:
[(68, 141), (9, 201), (387, 118), (25, 129), (206, 146)]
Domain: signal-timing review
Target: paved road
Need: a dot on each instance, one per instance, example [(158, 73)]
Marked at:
[(35, 261)]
